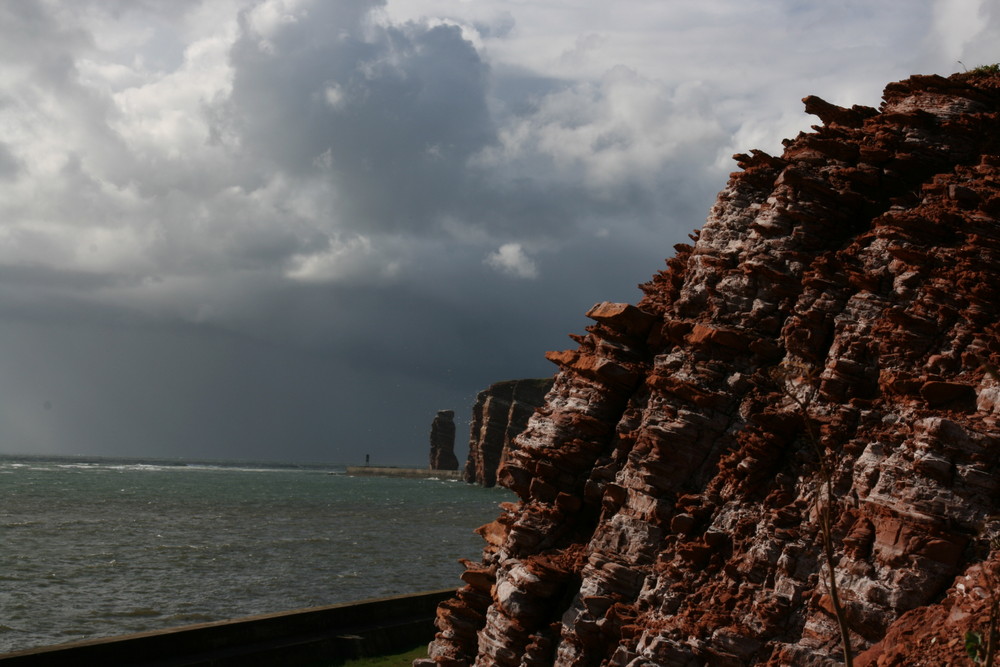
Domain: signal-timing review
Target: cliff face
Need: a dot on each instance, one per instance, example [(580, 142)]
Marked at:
[(443, 441), (501, 413), (839, 308)]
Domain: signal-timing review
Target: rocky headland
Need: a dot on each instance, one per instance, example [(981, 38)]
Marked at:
[(500, 414), (812, 382)]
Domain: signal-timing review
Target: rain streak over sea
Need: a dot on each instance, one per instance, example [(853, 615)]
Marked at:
[(102, 547)]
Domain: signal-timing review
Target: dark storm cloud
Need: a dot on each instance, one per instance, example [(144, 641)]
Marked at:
[(397, 120), (389, 114), (184, 391)]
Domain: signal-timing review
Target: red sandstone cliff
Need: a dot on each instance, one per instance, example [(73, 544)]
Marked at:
[(670, 495), (500, 414)]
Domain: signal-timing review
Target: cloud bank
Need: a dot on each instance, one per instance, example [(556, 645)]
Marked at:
[(297, 228)]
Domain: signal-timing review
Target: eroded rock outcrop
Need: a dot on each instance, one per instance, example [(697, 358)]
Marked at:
[(500, 413), (841, 301), (443, 441)]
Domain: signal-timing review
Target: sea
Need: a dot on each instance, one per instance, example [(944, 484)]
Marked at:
[(102, 547)]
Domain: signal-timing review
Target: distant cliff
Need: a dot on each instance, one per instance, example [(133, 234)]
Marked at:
[(827, 348), (501, 412)]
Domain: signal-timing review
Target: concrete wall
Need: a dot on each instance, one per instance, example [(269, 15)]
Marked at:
[(300, 637)]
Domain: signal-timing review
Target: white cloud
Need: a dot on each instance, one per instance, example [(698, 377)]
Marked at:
[(335, 96), (164, 115), (957, 23), (618, 132), (511, 259), (269, 17), (347, 259)]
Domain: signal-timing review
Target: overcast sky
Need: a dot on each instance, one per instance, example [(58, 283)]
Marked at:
[(295, 229)]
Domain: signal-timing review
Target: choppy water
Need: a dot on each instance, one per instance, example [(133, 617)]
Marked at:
[(104, 547)]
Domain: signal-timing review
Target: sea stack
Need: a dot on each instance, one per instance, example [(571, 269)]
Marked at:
[(443, 441), (500, 414), (810, 386)]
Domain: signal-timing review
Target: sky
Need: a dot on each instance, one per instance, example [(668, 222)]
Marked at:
[(295, 229)]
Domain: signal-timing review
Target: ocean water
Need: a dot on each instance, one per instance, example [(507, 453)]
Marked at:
[(101, 547)]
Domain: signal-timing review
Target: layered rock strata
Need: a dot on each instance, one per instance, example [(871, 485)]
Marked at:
[(443, 441), (836, 319), (500, 413)]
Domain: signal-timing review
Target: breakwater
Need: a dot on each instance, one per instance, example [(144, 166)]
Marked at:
[(301, 637), (411, 473)]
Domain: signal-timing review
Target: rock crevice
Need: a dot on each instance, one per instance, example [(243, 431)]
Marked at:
[(500, 413)]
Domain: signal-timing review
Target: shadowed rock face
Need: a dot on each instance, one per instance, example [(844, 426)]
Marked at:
[(443, 441), (669, 491), (500, 414)]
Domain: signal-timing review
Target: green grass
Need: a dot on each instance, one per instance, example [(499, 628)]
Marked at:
[(987, 69), (401, 659), (404, 659)]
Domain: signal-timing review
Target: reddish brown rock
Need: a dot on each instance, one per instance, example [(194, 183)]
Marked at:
[(501, 412), (840, 305), (443, 441)]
